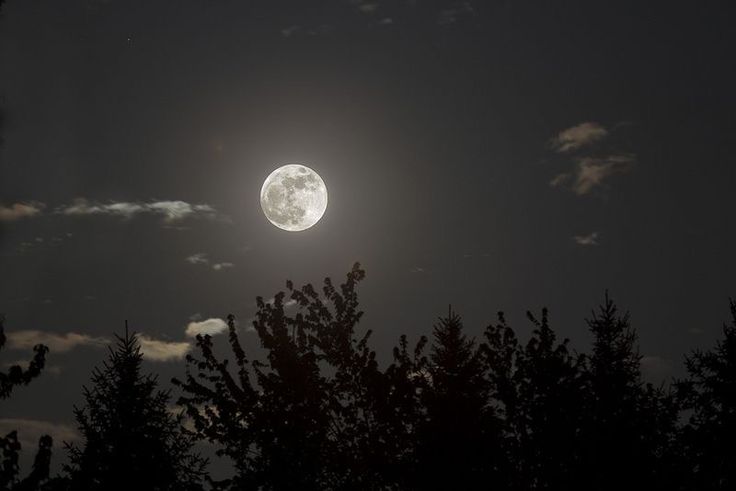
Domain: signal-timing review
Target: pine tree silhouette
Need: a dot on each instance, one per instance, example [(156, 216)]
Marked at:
[(709, 394), (10, 445), (130, 439), (621, 429), (455, 437)]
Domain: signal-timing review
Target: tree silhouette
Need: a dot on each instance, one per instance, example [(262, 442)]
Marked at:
[(285, 422), (709, 394), (459, 431), (500, 353), (399, 413), (131, 440), (313, 410), (627, 425), (549, 410), (9, 444), (317, 413)]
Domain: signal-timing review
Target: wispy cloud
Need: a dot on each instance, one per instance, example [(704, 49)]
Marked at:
[(591, 172), (159, 350), (57, 342), (578, 136), (288, 303), (171, 211), (590, 239), (368, 7), (453, 14), (16, 211), (198, 258), (210, 326), (289, 31), (152, 349), (30, 430), (202, 258)]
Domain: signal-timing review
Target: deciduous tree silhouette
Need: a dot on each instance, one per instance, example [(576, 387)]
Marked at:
[(317, 413), (130, 438), (709, 394), (549, 409), (285, 422), (10, 445), (500, 352)]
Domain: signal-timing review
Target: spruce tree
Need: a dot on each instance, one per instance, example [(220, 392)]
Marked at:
[(454, 445), (709, 394), (130, 438), (623, 437)]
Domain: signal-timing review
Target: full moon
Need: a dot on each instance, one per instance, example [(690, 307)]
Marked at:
[(294, 197)]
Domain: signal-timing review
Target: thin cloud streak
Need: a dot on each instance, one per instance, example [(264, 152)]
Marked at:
[(591, 172), (578, 136), (56, 342), (587, 240), (198, 258), (171, 211), (17, 211), (202, 258)]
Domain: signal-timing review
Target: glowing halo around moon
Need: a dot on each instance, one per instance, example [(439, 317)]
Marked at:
[(294, 197)]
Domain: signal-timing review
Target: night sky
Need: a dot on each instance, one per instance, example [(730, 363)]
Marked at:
[(494, 155)]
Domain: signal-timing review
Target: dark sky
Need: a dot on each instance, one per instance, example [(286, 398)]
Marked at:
[(496, 155)]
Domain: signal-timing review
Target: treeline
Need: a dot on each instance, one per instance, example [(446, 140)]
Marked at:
[(448, 413)]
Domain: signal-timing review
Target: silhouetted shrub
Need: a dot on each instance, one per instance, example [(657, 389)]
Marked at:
[(9, 444)]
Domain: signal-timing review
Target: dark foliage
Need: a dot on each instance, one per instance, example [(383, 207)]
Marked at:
[(314, 410), (15, 375), (130, 439), (539, 388), (459, 432), (9, 444), (626, 424), (710, 396), (319, 412)]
